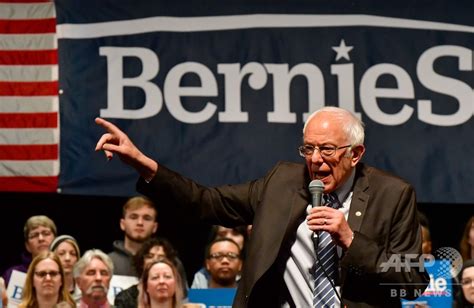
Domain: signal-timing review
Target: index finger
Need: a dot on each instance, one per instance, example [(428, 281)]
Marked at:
[(111, 128)]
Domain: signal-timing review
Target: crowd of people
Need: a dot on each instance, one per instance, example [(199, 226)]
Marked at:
[(58, 276)]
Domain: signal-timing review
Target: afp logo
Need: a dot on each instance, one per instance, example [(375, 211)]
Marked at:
[(407, 262)]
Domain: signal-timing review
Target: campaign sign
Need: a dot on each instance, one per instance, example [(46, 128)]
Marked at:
[(233, 85), (212, 298), (439, 292), (15, 288), (119, 283)]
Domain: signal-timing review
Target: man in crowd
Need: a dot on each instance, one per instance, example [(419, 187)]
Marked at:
[(39, 231), (138, 223), (370, 219), (223, 262), (93, 273), (239, 234)]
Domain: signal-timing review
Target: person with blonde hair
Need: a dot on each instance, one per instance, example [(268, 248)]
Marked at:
[(467, 241), (67, 249), (44, 285), (160, 286), (39, 231), (152, 250)]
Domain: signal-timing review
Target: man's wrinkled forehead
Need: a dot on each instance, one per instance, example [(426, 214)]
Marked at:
[(96, 264)]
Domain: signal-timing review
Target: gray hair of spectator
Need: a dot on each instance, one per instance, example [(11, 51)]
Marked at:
[(86, 259), (353, 126), (37, 221)]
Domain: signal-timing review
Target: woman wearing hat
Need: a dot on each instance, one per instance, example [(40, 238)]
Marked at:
[(67, 249)]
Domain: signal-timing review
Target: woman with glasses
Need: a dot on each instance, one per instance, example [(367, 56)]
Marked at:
[(39, 231), (44, 285), (465, 295)]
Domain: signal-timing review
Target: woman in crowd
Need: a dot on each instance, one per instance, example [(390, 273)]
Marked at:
[(152, 250), (44, 285), (467, 241), (67, 249), (465, 296), (160, 286)]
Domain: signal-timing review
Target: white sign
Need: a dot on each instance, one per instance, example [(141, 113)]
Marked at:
[(119, 283), (15, 288)]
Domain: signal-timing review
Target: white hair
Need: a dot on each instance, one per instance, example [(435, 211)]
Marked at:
[(88, 257), (352, 126)]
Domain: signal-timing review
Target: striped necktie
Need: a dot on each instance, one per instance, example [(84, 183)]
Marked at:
[(326, 268)]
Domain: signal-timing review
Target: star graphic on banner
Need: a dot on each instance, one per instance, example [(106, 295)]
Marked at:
[(342, 50)]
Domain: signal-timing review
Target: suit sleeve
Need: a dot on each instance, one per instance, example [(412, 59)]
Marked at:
[(229, 205)]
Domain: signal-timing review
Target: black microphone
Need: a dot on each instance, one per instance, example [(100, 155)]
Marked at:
[(316, 188)]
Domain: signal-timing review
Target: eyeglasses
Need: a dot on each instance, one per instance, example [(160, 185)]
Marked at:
[(325, 151), (43, 233), (43, 274), (220, 256)]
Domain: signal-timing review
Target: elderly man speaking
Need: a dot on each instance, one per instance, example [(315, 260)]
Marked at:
[(325, 256)]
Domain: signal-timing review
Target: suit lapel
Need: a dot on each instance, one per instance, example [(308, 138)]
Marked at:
[(299, 203), (360, 199)]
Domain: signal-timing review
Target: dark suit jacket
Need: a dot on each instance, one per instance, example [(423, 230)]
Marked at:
[(382, 216)]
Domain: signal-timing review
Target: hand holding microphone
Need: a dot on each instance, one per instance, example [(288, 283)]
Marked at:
[(325, 218)]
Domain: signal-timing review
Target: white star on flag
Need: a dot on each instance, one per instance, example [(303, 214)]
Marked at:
[(342, 50)]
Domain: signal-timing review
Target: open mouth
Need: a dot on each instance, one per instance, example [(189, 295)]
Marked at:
[(320, 175)]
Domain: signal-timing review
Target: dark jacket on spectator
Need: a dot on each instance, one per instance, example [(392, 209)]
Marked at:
[(23, 267)]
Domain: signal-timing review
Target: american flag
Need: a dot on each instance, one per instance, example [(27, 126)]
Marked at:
[(29, 106)]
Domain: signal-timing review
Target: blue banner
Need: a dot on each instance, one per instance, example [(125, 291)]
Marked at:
[(212, 298), (439, 293), (220, 92)]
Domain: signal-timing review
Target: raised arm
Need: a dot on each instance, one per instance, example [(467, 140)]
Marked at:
[(117, 142)]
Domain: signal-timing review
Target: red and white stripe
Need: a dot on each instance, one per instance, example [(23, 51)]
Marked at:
[(29, 105)]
